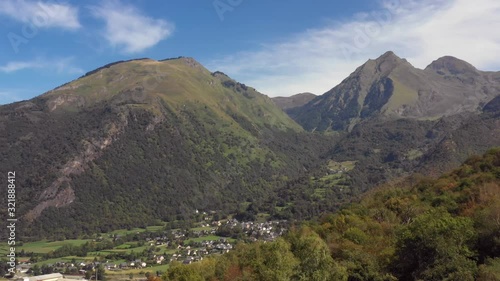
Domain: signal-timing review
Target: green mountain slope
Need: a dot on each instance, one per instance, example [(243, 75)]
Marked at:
[(140, 141), (144, 83), (394, 119), (389, 149), (420, 229)]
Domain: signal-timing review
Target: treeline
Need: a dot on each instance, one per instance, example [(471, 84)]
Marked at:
[(422, 229)]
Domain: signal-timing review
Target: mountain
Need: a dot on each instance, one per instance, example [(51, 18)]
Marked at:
[(294, 101), (421, 229), (388, 149), (394, 120), (139, 141), (390, 87)]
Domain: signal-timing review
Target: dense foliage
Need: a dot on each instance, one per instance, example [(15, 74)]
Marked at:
[(422, 229), (138, 142), (164, 163)]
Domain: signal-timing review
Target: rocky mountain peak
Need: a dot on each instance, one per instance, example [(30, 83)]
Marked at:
[(382, 65), (391, 87), (388, 61), (451, 65), (389, 56)]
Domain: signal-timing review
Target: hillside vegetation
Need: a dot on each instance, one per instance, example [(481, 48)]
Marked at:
[(422, 229), (142, 142), (135, 143), (394, 119)]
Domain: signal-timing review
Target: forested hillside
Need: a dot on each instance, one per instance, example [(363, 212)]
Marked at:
[(141, 142), (420, 229), (393, 119)]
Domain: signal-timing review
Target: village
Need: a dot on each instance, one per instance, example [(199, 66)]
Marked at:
[(154, 250)]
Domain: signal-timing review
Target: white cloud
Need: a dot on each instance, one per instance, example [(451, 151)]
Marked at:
[(128, 28), (60, 65), (41, 14), (421, 31), (18, 65)]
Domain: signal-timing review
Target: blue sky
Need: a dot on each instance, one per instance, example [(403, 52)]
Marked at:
[(281, 47)]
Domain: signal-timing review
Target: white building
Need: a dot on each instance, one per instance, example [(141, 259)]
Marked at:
[(48, 277)]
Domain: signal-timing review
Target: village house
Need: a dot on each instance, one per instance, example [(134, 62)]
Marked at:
[(23, 268)]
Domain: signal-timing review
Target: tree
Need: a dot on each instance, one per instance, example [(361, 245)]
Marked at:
[(269, 261), (436, 247), (179, 272), (154, 278), (46, 269), (316, 263), (488, 226), (101, 273), (36, 270), (490, 271)]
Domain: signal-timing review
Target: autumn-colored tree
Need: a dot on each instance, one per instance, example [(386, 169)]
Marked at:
[(269, 261), (154, 278), (178, 272), (315, 261)]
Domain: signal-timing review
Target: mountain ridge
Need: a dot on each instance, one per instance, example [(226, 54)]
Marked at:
[(390, 86), (142, 133), (287, 103)]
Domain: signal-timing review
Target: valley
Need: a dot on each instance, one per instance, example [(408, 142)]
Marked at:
[(144, 250), (158, 167)]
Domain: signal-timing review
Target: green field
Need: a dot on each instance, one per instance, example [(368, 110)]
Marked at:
[(43, 247), (4, 249), (125, 273), (206, 228), (116, 250), (348, 165), (209, 238), (136, 230), (66, 259), (203, 238)]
